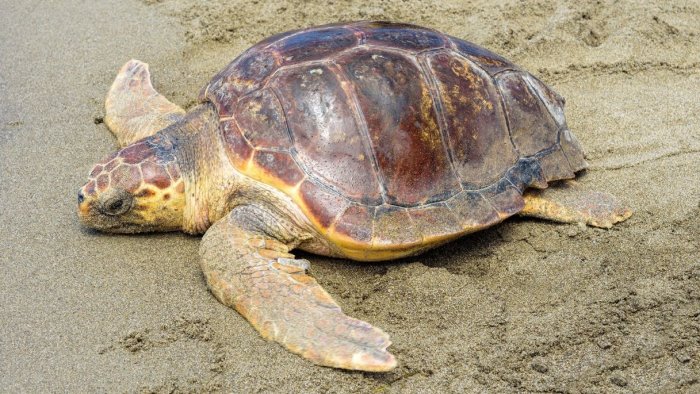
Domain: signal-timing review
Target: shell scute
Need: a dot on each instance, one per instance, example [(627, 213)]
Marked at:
[(506, 199), (404, 36), (327, 138), (402, 125), (315, 44), (435, 221), (572, 149), (486, 59), (324, 205), (526, 172), (555, 165), (473, 210), (393, 226), (356, 223), (247, 73), (553, 101), (279, 167), (532, 127), (237, 147), (476, 127), (261, 118)]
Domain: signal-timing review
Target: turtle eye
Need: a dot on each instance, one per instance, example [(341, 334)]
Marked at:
[(116, 205)]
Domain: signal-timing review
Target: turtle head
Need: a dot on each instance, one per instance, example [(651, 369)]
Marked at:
[(136, 189)]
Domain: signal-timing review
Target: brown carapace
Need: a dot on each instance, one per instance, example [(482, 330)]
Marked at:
[(391, 137), (366, 140)]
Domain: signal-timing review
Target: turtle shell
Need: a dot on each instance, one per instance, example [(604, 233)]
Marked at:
[(391, 136)]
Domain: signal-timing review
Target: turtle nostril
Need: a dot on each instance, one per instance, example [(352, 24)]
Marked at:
[(81, 197)]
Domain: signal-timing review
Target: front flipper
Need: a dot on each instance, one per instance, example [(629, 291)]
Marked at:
[(133, 109), (571, 203), (246, 262)]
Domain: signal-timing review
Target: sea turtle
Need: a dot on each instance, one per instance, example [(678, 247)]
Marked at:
[(367, 141)]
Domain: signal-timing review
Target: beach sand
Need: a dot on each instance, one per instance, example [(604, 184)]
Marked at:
[(527, 306)]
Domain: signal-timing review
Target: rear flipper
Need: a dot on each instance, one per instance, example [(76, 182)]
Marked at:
[(571, 203)]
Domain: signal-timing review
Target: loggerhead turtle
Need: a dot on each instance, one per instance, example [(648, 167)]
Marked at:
[(368, 141)]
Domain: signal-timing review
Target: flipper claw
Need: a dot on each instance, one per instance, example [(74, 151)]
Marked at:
[(301, 264)]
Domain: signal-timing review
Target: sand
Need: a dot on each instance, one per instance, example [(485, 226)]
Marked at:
[(528, 306)]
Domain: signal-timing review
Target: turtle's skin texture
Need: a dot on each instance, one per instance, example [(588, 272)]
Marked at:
[(369, 141)]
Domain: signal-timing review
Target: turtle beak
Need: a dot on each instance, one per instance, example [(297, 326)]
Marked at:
[(84, 202)]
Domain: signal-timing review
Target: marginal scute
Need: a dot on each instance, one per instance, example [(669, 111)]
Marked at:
[(476, 126), (555, 165), (279, 166), (531, 126), (238, 149), (404, 36), (271, 40), (435, 220), (572, 149), (404, 133), (393, 226), (327, 138), (486, 59), (505, 198), (551, 100), (473, 211), (261, 119), (526, 173), (315, 44), (275, 38), (246, 73), (356, 223), (324, 205)]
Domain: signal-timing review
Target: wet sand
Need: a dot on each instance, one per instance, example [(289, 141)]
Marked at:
[(526, 306)]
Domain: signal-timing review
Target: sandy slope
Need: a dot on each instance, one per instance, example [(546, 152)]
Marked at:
[(526, 306)]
